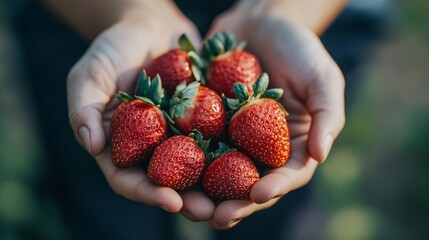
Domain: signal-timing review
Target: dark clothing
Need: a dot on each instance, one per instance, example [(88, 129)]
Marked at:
[(90, 208)]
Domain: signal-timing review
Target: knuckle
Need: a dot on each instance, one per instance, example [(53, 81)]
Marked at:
[(75, 118), (74, 73), (115, 184)]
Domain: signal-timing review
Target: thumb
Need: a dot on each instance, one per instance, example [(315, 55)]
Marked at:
[(87, 99), (326, 106)]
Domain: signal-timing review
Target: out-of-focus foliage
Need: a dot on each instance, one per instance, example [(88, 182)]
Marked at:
[(374, 185)]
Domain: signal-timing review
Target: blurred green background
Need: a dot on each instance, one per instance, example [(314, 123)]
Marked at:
[(375, 184)]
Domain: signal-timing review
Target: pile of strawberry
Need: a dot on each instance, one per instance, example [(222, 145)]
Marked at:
[(182, 135)]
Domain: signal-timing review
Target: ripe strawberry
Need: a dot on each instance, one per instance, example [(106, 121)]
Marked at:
[(231, 176), (176, 66), (178, 162), (259, 127), (229, 64), (138, 125), (198, 107)]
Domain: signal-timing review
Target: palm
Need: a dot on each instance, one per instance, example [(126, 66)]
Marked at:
[(112, 64), (297, 62)]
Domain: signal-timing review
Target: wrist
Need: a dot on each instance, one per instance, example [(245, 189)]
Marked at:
[(316, 15)]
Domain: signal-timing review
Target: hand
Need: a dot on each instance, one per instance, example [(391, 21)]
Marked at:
[(296, 61), (112, 63)]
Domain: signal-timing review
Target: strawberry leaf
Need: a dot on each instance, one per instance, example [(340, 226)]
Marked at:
[(223, 148), (241, 92), (156, 92), (146, 100), (230, 103), (241, 46), (183, 98), (124, 97), (165, 100), (199, 139), (174, 130), (185, 43), (230, 43), (274, 93), (216, 46), (261, 85), (143, 85), (198, 64)]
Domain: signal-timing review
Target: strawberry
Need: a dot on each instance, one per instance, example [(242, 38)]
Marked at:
[(230, 176), (258, 125), (198, 107), (229, 64), (138, 125), (176, 65), (178, 162)]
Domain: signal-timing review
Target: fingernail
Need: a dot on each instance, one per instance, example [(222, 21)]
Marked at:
[(234, 221), (85, 137), (163, 207), (327, 144), (187, 213)]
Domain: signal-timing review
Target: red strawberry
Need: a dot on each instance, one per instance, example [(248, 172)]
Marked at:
[(138, 125), (198, 107), (259, 127), (175, 66), (230, 176), (229, 64), (178, 162)]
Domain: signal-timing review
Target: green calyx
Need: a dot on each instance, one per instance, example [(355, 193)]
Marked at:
[(198, 63), (220, 43), (150, 91), (124, 97), (260, 90), (223, 148), (183, 98), (198, 138), (185, 43)]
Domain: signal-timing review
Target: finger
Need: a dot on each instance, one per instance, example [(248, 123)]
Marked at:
[(296, 173), (214, 225), (197, 206), (133, 184), (230, 213), (227, 22), (326, 106), (88, 93)]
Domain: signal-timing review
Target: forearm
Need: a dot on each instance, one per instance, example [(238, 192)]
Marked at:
[(316, 15), (90, 17)]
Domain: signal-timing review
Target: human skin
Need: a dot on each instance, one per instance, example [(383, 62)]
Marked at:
[(291, 53), (126, 35)]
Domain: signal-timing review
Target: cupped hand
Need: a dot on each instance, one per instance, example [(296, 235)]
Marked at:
[(112, 63), (297, 62)]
